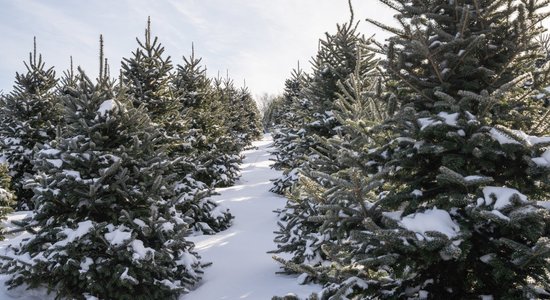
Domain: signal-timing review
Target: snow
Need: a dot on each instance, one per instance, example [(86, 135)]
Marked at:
[(530, 140), (118, 236), (140, 251), (140, 223), (73, 234), (106, 106), (50, 151), (417, 193), (241, 267), (85, 265), (543, 160), (125, 276), (501, 137), (72, 173), (55, 162), (448, 118), (431, 220), (502, 195), (473, 177)]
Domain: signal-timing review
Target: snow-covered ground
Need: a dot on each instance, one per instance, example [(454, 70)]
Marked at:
[(241, 267)]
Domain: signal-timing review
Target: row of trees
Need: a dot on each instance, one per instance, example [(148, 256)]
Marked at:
[(119, 172), (425, 174)]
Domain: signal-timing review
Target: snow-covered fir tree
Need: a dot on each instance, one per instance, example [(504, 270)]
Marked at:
[(7, 197), (272, 112), (329, 200), (204, 118), (205, 115), (462, 207), (106, 211), (249, 117), (223, 167), (29, 116), (146, 76), (335, 61), (289, 131)]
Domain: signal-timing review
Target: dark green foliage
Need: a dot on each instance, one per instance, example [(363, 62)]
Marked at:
[(272, 111), (105, 194), (461, 205), (448, 196), (243, 116), (210, 145), (204, 120), (335, 193), (7, 197), (289, 132), (29, 116), (146, 77), (335, 61)]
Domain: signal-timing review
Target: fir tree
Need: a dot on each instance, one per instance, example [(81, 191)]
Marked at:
[(204, 118), (288, 134), (465, 177), (146, 76), (331, 198), (7, 197), (335, 61), (223, 167), (107, 221), (249, 116), (205, 114), (29, 116), (272, 114)]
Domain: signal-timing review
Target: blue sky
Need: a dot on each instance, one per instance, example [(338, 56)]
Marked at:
[(257, 40)]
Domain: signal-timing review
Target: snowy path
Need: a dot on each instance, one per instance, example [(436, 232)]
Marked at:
[(241, 267)]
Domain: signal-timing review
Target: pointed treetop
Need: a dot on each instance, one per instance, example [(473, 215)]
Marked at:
[(351, 12), (34, 49), (148, 33), (101, 56), (71, 64), (107, 71)]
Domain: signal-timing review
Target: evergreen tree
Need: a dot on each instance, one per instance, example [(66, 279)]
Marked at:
[(335, 61), (204, 117), (146, 76), (222, 169), (106, 217), (206, 114), (288, 134), (7, 197), (250, 117), (29, 116), (464, 177), (272, 113), (331, 198)]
